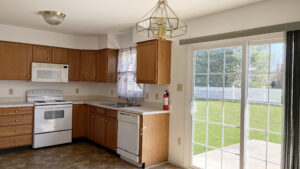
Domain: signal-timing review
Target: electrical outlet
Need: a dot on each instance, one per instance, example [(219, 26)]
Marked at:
[(147, 95), (77, 90), (179, 140), (156, 96), (179, 87), (112, 92), (10, 91)]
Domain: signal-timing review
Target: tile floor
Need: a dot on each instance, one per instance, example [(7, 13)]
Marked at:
[(80, 155)]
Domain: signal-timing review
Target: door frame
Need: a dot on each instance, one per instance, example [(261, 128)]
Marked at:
[(244, 42)]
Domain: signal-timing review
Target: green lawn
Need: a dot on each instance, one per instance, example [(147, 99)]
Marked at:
[(257, 119)]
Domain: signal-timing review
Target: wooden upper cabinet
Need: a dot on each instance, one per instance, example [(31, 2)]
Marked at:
[(88, 65), (74, 65), (15, 61), (46, 54), (154, 62), (59, 55), (41, 54), (107, 65)]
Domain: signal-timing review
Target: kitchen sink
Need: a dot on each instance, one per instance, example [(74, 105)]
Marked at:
[(120, 105)]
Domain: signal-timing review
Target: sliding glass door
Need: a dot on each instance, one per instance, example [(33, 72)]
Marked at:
[(221, 102), (265, 96)]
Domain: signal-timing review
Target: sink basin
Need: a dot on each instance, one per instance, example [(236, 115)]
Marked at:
[(119, 105)]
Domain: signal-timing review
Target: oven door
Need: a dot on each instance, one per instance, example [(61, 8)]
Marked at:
[(52, 118)]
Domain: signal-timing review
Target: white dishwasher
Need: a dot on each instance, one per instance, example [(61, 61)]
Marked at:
[(129, 137)]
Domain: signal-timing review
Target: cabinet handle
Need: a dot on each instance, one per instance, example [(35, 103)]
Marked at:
[(16, 111), (16, 120), (15, 131)]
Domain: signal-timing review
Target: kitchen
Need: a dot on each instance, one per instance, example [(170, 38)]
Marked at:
[(97, 91)]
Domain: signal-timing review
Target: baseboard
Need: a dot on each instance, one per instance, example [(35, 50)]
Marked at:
[(176, 162)]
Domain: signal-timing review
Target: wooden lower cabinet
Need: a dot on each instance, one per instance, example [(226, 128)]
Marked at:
[(102, 128), (154, 140), (111, 133), (91, 126), (16, 141), (100, 125), (16, 127), (80, 121)]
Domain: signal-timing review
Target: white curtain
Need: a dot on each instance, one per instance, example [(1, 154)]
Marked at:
[(127, 86)]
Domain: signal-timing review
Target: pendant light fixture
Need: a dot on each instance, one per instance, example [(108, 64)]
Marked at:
[(53, 17), (161, 22)]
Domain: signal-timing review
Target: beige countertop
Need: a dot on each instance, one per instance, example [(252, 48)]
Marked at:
[(15, 104), (141, 110)]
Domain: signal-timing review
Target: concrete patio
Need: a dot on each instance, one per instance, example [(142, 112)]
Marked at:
[(255, 148)]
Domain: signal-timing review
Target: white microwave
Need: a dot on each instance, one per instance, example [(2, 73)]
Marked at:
[(46, 72)]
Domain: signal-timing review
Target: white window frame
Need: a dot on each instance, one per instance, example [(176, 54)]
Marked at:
[(244, 42)]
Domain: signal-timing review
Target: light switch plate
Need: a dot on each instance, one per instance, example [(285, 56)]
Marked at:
[(77, 90), (156, 96), (179, 140), (147, 95), (179, 87), (10, 91)]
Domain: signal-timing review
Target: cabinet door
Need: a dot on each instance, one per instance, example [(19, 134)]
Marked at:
[(41, 54), (74, 65), (91, 126), (59, 56), (102, 66), (154, 142), (88, 65), (113, 65), (147, 62), (79, 121), (15, 61), (100, 129), (111, 133)]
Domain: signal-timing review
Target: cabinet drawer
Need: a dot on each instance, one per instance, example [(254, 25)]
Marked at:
[(17, 110), (15, 130), (100, 111), (15, 141), (16, 120), (112, 113)]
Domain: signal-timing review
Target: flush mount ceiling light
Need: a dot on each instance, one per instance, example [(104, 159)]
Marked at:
[(161, 22), (53, 17)]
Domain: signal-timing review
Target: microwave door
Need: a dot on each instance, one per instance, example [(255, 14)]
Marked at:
[(46, 75)]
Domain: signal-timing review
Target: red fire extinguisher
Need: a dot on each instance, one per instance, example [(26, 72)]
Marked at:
[(166, 100)]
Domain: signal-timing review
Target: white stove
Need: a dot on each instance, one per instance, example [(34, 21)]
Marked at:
[(52, 117)]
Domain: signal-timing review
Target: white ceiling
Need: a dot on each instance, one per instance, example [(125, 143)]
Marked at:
[(93, 17)]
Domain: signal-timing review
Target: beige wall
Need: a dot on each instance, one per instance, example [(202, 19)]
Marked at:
[(260, 14)]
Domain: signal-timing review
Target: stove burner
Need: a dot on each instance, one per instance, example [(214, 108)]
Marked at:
[(59, 101)]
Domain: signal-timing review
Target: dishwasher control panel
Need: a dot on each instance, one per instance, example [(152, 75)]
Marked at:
[(128, 117)]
